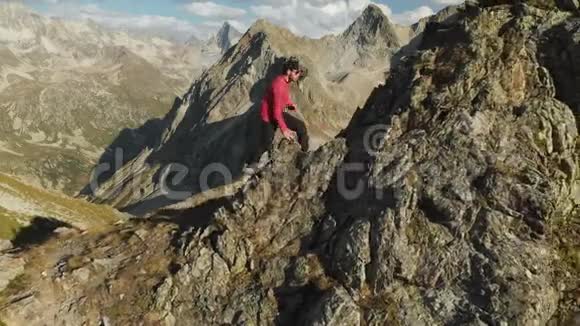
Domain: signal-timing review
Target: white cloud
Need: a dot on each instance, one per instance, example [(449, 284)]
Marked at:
[(316, 18), (412, 16), (167, 26), (386, 10), (313, 18), (240, 26), (214, 10), (447, 2)]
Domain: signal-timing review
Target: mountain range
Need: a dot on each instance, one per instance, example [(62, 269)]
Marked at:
[(442, 188), (214, 122), (69, 87)]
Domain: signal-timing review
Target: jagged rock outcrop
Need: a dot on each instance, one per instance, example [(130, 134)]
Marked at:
[(371, 37), (561, 55), (217, 45), (449, 199), (371, 28), (441, 16), (227, 36), (215, 123)]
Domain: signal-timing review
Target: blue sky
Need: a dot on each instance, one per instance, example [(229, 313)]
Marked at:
[(179, 18)]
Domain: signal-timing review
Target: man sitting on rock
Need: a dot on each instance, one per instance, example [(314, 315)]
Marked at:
[(278, 111)]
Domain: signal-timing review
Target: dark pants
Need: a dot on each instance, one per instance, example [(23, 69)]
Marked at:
[(267, 130), (295, 122), (266, 133)]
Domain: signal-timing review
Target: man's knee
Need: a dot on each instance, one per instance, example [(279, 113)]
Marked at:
[(298, 125), (295, 123)]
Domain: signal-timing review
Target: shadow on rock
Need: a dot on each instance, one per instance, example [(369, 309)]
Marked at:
[(198, 217), (194, 146), (40, 230), (296, 297), (559, 52), (128, 144)]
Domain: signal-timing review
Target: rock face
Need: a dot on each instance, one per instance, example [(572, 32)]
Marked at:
[(441, 16), (442, 203), (215, 123), (227, 36), (67, 88), (214, 48), (371, 37), (561, 55), (372, 28)]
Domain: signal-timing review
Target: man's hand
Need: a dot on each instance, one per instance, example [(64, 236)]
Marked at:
[(289, 134)]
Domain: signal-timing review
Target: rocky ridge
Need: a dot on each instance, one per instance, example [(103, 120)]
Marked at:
[(450, 198), (214, 123)]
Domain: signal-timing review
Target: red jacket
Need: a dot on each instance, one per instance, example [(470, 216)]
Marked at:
[(277, 97)]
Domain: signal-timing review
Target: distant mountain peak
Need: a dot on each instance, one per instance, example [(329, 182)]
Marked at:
[(193, 41), (262, 25), (11, 10), (225, 27), (373, 9), (227, 36), (372, 27), (13, 5)]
